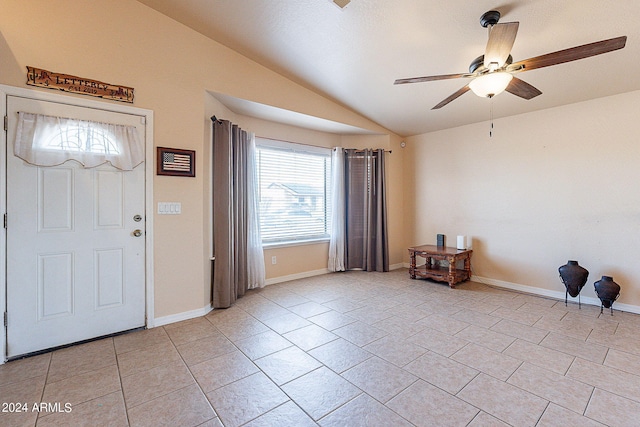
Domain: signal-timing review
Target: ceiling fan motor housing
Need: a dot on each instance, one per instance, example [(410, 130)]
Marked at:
[(489, 18), (477, 65)]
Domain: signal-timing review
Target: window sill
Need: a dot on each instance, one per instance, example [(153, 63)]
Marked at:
[(293, 243)]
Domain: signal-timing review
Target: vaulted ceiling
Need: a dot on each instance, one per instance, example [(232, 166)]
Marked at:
[(354, 54)]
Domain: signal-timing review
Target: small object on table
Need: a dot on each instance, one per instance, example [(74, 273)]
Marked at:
[(461, 242), (432, 268)]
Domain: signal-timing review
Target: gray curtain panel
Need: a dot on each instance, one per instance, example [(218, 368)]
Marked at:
[(230, 271), (367, 245)]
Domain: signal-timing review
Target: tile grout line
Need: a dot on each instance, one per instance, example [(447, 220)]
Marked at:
[(124, 401), (195, 381), (44, 386)]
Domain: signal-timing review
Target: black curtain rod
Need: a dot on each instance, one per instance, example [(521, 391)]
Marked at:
[(289, 142), (214, 118), (373, 149)]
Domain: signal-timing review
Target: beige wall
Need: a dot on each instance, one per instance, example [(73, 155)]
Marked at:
[(549, 186), (172, 69)]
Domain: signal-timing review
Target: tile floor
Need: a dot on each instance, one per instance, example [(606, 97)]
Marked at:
[(348, 349)]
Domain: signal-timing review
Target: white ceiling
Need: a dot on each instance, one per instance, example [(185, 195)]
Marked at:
[(353, 55)]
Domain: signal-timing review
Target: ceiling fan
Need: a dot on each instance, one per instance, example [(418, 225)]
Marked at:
[(493, 72)]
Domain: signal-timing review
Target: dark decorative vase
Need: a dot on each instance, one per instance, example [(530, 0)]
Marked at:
[(574, 278), (608, 291)]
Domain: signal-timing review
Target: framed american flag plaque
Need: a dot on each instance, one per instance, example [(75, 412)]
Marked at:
[(176, 162)]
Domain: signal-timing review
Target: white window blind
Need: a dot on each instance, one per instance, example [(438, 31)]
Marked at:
[(294, 191)]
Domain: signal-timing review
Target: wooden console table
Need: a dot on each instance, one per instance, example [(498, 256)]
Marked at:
[(432, 268)]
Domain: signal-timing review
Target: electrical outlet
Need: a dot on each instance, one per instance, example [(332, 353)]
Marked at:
[(273, 260)]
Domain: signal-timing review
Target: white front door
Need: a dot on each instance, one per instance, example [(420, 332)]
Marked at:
[(75, 262)]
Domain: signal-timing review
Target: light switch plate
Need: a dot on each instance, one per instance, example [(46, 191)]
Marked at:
[(169, 208)]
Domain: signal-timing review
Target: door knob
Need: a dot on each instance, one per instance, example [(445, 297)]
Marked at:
[(137, 233)]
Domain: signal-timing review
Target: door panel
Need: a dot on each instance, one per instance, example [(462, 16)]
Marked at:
[(75, 270), (55, 200), (109, 204), (109, 281), (55, 285)]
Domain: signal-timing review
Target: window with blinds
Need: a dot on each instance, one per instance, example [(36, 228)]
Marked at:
[(294, 191)]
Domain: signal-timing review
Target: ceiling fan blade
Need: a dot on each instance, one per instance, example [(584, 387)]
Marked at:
[(432, 78), (501, 39), (451, 97), (522, 89), (568, 55)]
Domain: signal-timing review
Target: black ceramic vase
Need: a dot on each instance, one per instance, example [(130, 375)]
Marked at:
[(574, 278), (608, 291)]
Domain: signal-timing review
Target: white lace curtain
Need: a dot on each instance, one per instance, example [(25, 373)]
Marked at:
[(337, 241), (50, 141)]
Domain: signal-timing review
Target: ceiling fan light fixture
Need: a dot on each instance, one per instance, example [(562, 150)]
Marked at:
[(490, 84)]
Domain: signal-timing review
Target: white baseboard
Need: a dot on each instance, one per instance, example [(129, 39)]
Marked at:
[(296, 276), (545, 292), (179, 317), (559, 295), (313, 273), (529, 289)]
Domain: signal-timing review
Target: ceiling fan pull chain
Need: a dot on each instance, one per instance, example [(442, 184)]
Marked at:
[(491, 118)]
